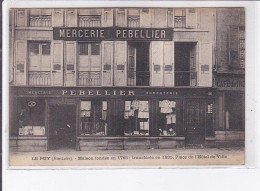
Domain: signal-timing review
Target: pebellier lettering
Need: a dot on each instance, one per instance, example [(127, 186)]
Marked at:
[(92, 92)]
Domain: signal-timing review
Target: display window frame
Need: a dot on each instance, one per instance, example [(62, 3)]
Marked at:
[(22, 112), (149, 119), (106, 132)]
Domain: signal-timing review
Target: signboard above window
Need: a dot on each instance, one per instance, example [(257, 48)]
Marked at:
[(81, 34)]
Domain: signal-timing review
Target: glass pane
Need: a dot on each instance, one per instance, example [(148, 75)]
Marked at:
[(95, 50), (83, 49), (33, 49), (46, 49)]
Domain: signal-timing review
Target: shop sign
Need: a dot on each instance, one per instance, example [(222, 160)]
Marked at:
[(83, 34), (109, 92), (229, 83)]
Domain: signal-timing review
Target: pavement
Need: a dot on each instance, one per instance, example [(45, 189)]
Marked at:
[(123, 158)]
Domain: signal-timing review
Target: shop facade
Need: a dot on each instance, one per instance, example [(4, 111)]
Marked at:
[(114, 78)]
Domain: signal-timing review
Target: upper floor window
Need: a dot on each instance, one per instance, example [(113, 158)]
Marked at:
[(179, 18), (89, 20), (89, 64), (39, 63), (133, 18), (40, 18)]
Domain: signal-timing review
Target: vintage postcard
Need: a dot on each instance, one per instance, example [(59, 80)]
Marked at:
[(122, 86)]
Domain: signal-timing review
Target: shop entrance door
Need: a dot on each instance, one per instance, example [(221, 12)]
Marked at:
[(195, 122), (62, 123)]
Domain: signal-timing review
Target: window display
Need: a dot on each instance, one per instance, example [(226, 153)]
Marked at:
[(136, 117), (93, 118), (31, 118), (167, 118)]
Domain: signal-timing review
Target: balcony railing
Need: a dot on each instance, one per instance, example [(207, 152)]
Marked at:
[(40, 21), (179, 21), (133, 21), (90, 21), (92, 78), (185, 78), (138, 78), (39, 78)]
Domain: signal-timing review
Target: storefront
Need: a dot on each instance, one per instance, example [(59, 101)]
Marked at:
[(111, 78), (230, 113), (113, 118)]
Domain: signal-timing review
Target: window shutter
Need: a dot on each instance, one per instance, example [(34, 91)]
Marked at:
[(160, 18), (57, 18), (121, 17), (57, 63), (191, 18), (168, 63), (157, 63), (71, 17), (205, 64), (234, 46), (107, 17), (120, 63), (145, 18), (22, 17), (20, 62), (70, 63), (107, 62)]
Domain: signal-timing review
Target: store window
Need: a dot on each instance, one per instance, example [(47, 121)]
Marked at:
[(133, 18), (93, 118), (40, 18), (31, 117), (136, 118), (89, 64), (167, 118), (39, 63), (179, 18), (89, 20)]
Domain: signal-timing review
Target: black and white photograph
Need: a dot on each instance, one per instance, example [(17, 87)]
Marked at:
[(127, 86)]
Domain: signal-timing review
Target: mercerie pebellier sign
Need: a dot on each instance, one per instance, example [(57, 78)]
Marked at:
[(111, 33)]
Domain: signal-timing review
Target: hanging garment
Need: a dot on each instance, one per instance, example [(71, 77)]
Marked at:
[(173, 116), (146, 106), (141, 125), (168, 119), (85, 105), (104, 115), (131, 113), (146, 126), (104, 105), (146, 114), (87, 113), (127, 105), (140, 114), (172, 104)]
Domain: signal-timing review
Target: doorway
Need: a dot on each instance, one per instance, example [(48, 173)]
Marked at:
[(185, 64), (138, 64), (62, 123), (195, 122)]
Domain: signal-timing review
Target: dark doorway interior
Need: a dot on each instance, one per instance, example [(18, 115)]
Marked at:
[(234, 111), (62, 132), (138, 64), (194, 121), (185, 63)]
